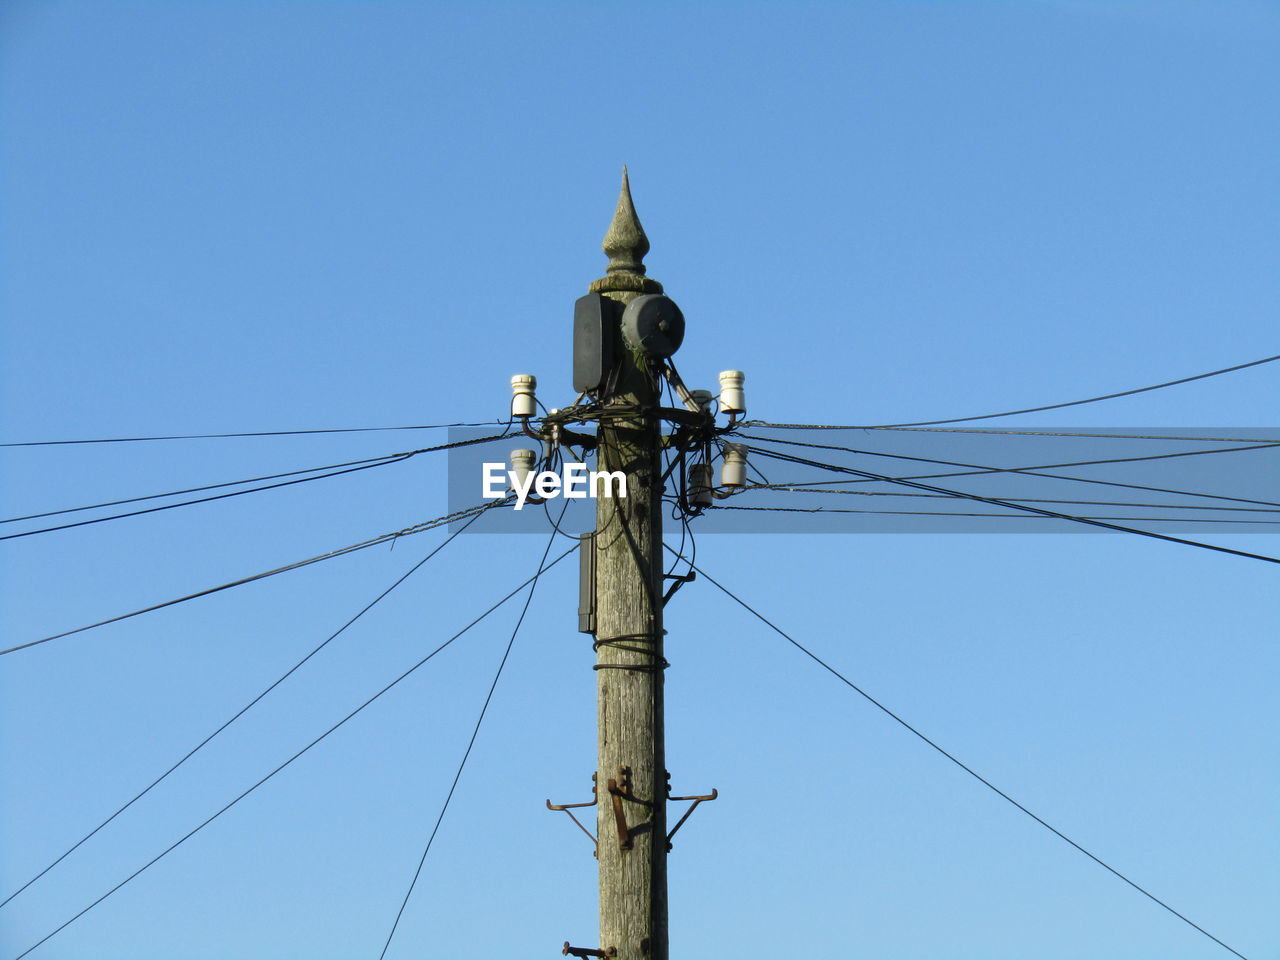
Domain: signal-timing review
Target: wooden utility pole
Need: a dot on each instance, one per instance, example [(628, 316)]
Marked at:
[(631, 773)]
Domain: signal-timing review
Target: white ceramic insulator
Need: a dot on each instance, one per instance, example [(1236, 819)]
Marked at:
[(523, 386), (732, 399), (700, 485), (733, 472), (522, 462), (702, 398)]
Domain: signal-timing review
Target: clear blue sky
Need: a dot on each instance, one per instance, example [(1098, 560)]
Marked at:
[(258, 216)]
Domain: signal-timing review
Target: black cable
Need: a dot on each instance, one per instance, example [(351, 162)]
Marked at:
[(245, 709), (642, 565), (758, 472), (969, 770), (268, 433), (210, 486), (830, 491), (341, 551), (953, 513), (1025, 471), (188, 503), (1014, 506), (173, 846), (1051, 406), (1004, 431), (366, 465), (679, 552), (556, 529), (980, 470), (1269, 445), (533, 585)]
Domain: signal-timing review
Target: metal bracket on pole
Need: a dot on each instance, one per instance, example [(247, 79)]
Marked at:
[(692, 807), (620, 790), (681, 390), (616, 795), (678, 582), (587, 951), (569, 807)]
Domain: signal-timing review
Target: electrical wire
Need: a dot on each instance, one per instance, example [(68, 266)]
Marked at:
[(1269, 445), (828, 491), (210, 486), (967, 769), (1015, 506), (556, 528), (1025, 471), (533, 585), (366, 465), (1050, 406), (188, 503), (297, 564), (679, 551), (979, 470), (245, 709), (554, 463), (267, 433), (191, 833), (1004, 431), (953, 513), (751, 468), (642, 565)]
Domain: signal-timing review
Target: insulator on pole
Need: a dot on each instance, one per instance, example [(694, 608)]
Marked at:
[(523, 402), (733, 472), (522, 462), (702, 398), (732, 399), (700, 485)]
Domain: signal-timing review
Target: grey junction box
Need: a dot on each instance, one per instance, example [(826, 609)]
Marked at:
[(594, 333)]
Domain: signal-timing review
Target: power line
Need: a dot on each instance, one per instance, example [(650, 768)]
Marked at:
[(533, 585), (188, 503), (191, 833), (1030, 472), (341, 551), (967, 769), (366, 465), (1002, 431), (830, 491), (209, 486), (953, 513), (1012, 506), (1034, 471), (1050, 406), (267, 433), (1267, 445), (245, 709), (1005, 431)]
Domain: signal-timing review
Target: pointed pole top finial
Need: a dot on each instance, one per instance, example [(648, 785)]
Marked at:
[(625, 244)]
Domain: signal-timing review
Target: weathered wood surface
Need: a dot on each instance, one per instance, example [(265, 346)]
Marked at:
[(633, 879)]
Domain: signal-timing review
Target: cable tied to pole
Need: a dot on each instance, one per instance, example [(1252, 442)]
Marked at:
[(656, 663)]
